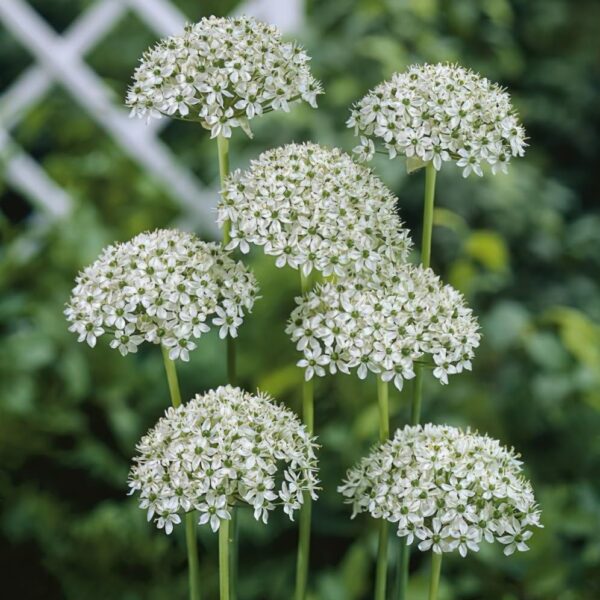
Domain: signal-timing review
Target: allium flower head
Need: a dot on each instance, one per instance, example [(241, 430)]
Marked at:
[(440, 113), (447, 489), (314, 208), (162, 287), (385, 329), (223, 448), (222, 72)]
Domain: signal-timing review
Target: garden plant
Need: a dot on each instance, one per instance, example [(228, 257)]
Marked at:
[(365, 307)]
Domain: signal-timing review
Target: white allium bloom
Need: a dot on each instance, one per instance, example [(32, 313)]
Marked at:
[(385, 329), (162, 287), (446, 490), (224, 448), (440, 113), (222, 72), (314, 208)]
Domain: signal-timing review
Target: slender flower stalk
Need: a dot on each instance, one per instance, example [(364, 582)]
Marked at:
[(224, 546), (382, 560), (190, 517), (192, 551), (428, 203), (223, 153), (402, 570), (382, 548), (384, 411), (417, 392), (233, 552), (303, 556), (434, 581), (308, 404), (303, 549), (172, 380), (417, 396)]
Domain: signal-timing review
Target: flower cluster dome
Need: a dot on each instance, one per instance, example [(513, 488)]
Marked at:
[(220, 449), (314, 208), (385, 329), (160, 287), (448, 489), (222, 72), (440, 113)]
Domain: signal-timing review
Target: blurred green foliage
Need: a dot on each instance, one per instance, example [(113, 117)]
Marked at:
[(525, 248)]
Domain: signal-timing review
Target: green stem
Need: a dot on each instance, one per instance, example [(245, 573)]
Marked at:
[(223, 151), (308, 409), (382, 549), (401, 578), (384, 411), (233, 552), (304, 282), (308, 416), (171, 378), (190, 520), (428, 202), (231, 361), (434, 581), (415, 412), (417, 397), (192, 550), (224, 560), (381, 570), (308, 406), (303, 548)]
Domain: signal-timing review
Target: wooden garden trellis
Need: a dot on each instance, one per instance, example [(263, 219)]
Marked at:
[(60, 59)]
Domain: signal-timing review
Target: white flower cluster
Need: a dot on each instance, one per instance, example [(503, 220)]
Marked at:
[(160, 287), (314, 208), (384, 329), (222, 72), (220, 449), (448, 489), (440, 113)]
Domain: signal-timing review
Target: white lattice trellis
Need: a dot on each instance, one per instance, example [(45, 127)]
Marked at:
[(60, 59)]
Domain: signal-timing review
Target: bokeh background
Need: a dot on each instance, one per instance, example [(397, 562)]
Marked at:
[(524, 248)]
